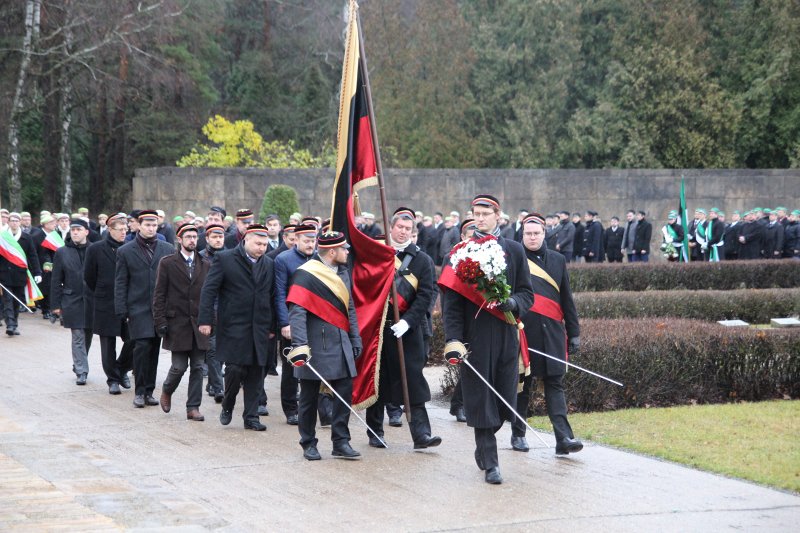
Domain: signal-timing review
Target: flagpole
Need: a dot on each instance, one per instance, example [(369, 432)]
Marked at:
[(379, 166)]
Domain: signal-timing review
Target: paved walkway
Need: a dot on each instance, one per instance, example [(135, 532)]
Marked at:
[(76, 458)]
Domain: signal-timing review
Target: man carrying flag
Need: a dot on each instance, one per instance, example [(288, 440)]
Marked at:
[(47, 241), (19, 272)]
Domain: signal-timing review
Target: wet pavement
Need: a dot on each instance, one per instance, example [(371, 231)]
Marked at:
[(77, 458)]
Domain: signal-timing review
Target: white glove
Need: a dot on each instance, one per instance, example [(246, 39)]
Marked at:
[(400, 328), (37, 279)]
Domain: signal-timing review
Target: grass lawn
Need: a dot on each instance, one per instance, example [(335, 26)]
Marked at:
[(755, 441)]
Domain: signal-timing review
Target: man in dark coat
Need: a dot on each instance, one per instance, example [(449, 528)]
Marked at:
[(134, 282), (494, 342), (416, 291), (641, 243), (44, 251), (791, 240), (612, 241), (71, 297), (577, 241), (240, 282), (176, 303), (773, 238), (215, 242), (592, 238), (751, 237), (99, 271), (324, 329), (713, 233), (732, 231), (15, 277), (551, 324), (244, 218), (566, 236)]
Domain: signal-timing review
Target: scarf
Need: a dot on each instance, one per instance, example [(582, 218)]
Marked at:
[(480, 235), (148, 246), (399, 247)]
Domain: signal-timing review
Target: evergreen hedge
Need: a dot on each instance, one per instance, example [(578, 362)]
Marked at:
[(725, 275), (279, 200)]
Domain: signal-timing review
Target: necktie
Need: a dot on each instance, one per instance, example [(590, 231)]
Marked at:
[(190, 265)]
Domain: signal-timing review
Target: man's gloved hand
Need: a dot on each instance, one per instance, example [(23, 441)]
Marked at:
[(399, 329), (162, 331), (299, 355), (37, 279), (509, 305), (454, 352), (356, 352), (574, 345)]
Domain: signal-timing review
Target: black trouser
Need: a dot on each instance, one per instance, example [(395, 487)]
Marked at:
[(393, 410), (11, 306), (251, 379), (307, 411), (567, 256), (420, 425), (457, 400), (145, 364), (556, 403), (288, 388), (486, 447), (180, 362), (214, 367), (114, 367), (271, 362)]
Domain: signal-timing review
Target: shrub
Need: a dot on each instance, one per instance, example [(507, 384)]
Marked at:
[(750, 305), (725, 275), (279, 200)]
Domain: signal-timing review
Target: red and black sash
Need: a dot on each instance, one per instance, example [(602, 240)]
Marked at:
[(407, 285), (449, 280), (318, 289), (546, 300)]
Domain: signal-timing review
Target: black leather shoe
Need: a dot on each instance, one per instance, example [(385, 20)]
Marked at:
[(10, 332), (138, 401), (568, 446), (114, 389), (149, 400), (479, 461), (493, 476), (427, 442), (396, 421), (225, 417), (218, 397), (375, 443), (458, 412), (519, 444), (81, 379), (255, 425), (292, 420), (263, 411), (126, 381), (312, 454), (345, 451)]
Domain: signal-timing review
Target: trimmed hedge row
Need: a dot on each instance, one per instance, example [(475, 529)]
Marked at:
[(725, 275), (676, 362), (756, 306)]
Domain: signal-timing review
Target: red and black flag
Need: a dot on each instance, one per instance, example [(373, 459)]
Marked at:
[(356, 168)]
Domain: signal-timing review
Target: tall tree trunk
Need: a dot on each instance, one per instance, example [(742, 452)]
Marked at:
[(65, 87), (98, 185), (118, 120), (14, 183)]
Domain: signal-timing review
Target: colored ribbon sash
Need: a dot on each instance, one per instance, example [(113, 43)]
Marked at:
[(406, 287), (321, 291), (544, 306)]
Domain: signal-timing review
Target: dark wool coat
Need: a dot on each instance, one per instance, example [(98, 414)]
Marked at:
[(644, 233), (45, 256), (244, 315), (753, 233), (492, 343), (13, 276), (69, 291), (134, 282), (176, 301), (99, 269)]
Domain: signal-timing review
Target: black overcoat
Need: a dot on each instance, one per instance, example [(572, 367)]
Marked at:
[(244, 316), (45, 256), (99, 268), (753, 233), (69, 291), (176, 301), (493, 344), (14, 276), (134, 281)]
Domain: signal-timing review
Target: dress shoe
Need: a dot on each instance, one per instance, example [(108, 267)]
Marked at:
[(218, 397), (114, 389), (479, 461), (519, 444), (427, 442), (396, 421), (375, 443), (292, 420), (126, 381), (16, 331), (138, 401), (568, 446), (149, 400), (493, 476), (81, 379), (194, 414), (263, 411), (166, 402), (312, 454), (345, 451), (10, 332), (458, 412), (225, 417), (255, 425)]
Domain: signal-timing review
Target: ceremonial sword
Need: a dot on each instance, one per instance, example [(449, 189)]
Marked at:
[(576, 366), (504, 401), (28, 309), (314, 370)]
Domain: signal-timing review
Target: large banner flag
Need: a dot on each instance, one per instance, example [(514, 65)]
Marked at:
[(684, 223), (372, 261), (14, 254)]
